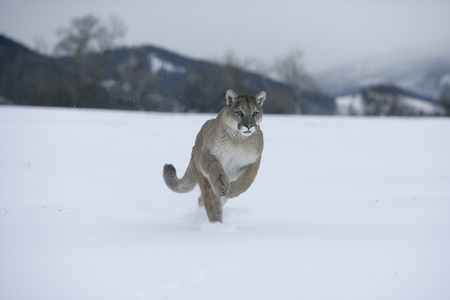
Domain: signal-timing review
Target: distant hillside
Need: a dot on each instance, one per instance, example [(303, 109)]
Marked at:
[(135, 78), (22, 71), (387, 100)]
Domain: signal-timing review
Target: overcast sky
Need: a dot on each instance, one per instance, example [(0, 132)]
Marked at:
[(328, 32)]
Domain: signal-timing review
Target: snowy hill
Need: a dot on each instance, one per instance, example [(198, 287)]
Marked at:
[(355, 105), (342, 208)]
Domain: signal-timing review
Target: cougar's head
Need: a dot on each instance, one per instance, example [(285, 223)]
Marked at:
[(244, 113)]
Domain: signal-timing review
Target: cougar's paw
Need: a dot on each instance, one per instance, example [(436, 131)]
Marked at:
[(223, 185)]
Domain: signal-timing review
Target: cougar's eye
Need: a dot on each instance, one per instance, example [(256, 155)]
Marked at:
[(240, 113), (255, 113)]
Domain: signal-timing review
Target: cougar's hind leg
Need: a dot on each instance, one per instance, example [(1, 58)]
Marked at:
[(212, 203)]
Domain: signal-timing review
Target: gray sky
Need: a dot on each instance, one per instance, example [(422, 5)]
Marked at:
[(329, 33)]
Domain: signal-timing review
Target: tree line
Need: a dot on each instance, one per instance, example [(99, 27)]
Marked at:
[(88, 69)]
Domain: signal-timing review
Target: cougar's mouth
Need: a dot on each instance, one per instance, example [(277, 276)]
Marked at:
[(247, 131)]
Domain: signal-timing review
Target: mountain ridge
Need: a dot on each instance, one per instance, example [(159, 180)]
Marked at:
[(149, 77), (145, 77)]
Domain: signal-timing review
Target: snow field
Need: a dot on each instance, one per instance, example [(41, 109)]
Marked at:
[(342, 208)]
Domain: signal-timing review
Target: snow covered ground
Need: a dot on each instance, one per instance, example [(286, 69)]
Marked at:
[(342, 208)]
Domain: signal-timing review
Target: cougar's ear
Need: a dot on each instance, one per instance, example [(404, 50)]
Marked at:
[(231, 96), (260, 98)]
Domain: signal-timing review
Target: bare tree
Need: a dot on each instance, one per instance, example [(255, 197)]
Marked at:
[(233, 72), (87, 40), (87, 35), (291, 71)]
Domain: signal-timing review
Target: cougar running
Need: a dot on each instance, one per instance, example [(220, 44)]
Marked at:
[(226, 155)]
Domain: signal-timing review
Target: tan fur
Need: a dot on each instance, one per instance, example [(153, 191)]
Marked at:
[(226, 155)]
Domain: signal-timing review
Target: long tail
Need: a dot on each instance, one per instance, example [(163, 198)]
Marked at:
[(183, 185)]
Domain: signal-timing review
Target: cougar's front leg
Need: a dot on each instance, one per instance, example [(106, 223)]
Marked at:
[(213, 170), (244, 181), (212, 202)]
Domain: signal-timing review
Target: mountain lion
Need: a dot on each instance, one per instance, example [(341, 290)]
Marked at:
[(226, 155)]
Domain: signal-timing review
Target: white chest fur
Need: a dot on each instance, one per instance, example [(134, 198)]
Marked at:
[(234, 157)]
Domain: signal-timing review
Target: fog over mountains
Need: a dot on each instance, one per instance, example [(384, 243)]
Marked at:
[(424, 71)]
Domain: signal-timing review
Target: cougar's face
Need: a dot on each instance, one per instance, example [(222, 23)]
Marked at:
[(246, 115)]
